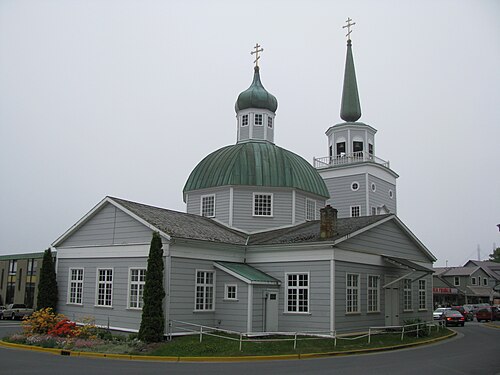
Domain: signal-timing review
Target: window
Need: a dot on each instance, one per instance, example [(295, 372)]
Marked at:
[(32, 266), (456, 281), (407, 305), (422, 295), (258, 119), (310, 209), (352, 293), (473, 280), (231, 292), (262, 204), (75, 286), (370, 149), (1, 280), (373, 293), (270, 122), (355, 211), (20, 279), (12, 267), (340, 148), (137, 279), (354, 186), (204, 299), (374, 187), (104, 287), (374, 211), (244, 120), (208, 205), (357, 146), (485, 281), (297, 292), (391, 194)]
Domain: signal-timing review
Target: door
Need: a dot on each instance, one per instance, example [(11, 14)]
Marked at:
[(271, 322), (391, 306)]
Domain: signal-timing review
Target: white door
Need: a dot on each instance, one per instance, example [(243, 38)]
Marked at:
[(391, 306), (271, 311)]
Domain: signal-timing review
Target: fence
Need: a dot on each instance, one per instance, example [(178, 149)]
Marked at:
[(241, 337)]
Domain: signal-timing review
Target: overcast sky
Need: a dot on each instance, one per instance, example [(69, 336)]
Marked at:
[(124, 98)]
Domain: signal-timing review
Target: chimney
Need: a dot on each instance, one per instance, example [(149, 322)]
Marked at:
[(328, 222)]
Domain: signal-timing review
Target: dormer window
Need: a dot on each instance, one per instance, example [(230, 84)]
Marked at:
[(258, 119), (244, 120), (270, 122)]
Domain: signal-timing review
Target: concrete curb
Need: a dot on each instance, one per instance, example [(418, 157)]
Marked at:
[(491, 325), (221, 359)]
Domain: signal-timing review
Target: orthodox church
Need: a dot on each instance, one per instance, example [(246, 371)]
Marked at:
[(268, 242)]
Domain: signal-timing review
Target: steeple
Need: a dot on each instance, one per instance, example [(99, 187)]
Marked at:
[(350, 109)]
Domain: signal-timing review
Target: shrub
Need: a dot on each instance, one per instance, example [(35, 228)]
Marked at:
[(421, 328), (88, 330), (47, 286), (41, 321), (64, 328)]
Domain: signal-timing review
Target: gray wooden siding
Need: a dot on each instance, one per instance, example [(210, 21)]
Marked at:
[(387, 239), (381, 195), (231, 315), (342, 197), (258, 307), (319, 294), (109, 226), (243, 205), (221, 202), (258, 130), (300, 206), (244, 132), (182, 291), (118, 315)]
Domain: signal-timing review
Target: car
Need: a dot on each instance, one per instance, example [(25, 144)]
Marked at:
[(484, 313), (16, 311), (453, 317), (439, 312), (495, 313), (2, 308), (465, 311)]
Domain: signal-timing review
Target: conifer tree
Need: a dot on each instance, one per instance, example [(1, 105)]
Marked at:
[(47, 285), (153, 323)]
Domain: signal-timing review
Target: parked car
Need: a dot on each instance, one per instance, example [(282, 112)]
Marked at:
[(495, 313), (453, 317), (2, 308), (465, 311), (16, 311), (484, 313), (439, 312)]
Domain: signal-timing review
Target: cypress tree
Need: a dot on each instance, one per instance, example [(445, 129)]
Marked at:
[(47, 285), (153, 322)]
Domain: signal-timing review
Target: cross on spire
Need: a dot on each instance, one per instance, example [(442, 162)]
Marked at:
[(349, 24), (256, 52)]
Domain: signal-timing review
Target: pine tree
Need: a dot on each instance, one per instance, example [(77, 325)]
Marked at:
[(47, 285), (153, 323)]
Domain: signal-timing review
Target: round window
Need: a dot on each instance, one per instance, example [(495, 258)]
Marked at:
[(354, 186), (391, 194), (374, 187)]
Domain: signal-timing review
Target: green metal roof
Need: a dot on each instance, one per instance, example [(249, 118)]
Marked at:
[(256, 96), (350, 109), (253, 275), (256, 164), (22, 256)]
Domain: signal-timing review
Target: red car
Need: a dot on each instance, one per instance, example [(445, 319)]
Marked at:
[(484, 313), (453, 317), (468, 314)]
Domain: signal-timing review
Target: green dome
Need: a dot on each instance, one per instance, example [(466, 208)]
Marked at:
[(256, 164), (256, 96)]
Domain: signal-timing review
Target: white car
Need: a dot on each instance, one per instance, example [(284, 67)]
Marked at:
[(439, 312)]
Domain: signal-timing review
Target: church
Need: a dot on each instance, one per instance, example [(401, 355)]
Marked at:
[(268, 242)]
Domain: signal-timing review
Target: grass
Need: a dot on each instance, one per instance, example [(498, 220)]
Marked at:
[(190, 346)]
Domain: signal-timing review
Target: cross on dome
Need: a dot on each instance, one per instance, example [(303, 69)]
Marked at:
[(349, 24), (256, 52)]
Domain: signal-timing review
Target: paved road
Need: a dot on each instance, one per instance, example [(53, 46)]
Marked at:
[(476, 350)]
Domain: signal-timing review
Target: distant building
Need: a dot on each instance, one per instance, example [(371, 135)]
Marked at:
[(19, 278)]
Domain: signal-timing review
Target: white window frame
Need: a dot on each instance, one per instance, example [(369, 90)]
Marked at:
[(206, 304), (258, 122), (473, 280), (203, 199), (373, 187), (353, 188), (106, 286), (485, 281), (407, 295), (358, 207), (137, 302), (373, 293), (244, 120), (269, 122), (422, 295), (310, 209), (254, 195), (300, 291), (352, 306), (456, 281), (77, 284), (391, 194), (227, 296)]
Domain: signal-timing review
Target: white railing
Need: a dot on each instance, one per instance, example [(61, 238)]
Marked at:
[(343, 159)]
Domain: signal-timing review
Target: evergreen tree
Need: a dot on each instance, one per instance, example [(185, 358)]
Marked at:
[(153, 323), (47, 285), (495, 256)]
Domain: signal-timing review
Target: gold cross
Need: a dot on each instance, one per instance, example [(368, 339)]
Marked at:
[(349, 24), (256, 52)]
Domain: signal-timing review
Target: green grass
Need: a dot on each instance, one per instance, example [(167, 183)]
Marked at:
[(190, 346)]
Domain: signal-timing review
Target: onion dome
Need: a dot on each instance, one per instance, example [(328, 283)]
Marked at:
[(256, 164), (256, 96), (350, 109)]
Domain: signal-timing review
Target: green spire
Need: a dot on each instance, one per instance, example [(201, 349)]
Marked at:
[(350, 109)]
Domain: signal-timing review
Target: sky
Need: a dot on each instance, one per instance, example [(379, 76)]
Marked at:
[(124, 98)]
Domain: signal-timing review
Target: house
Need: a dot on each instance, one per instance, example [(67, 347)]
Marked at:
[(257, 249)]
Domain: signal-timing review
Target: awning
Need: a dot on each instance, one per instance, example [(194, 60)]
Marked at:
[(481, 291), (408, 264), (247, 273)]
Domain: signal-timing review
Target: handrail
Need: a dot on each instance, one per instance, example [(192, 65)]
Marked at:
[(343, 159)]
